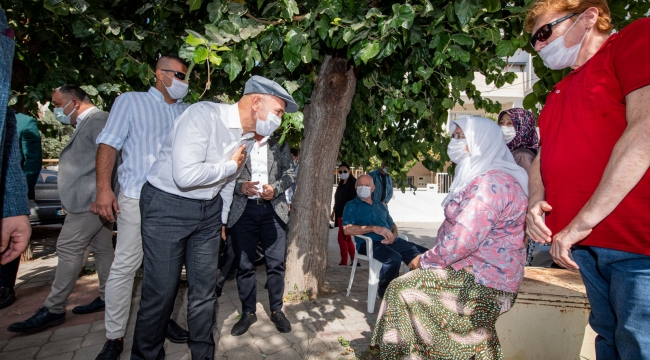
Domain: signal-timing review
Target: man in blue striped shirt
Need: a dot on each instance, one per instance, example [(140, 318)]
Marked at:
[(138, 125)]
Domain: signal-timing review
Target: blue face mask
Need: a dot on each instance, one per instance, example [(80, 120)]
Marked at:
[(59, 114)]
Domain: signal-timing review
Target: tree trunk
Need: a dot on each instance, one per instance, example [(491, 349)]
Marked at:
[(325, 120)]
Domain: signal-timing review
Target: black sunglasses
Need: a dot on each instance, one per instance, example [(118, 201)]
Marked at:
[(178, 74), (343, 171), (545, 32)]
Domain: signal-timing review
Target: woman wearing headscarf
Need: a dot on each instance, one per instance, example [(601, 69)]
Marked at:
[(520, 134), (447, 307), (345, 191)]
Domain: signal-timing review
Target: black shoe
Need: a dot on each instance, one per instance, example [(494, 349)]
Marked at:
[(281, 322), (175, 333), (43, 319), (7, 297), (243, 324), (111, 350), (96, 305)]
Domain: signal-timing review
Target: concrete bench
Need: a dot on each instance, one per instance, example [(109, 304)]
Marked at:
[(549, 319)]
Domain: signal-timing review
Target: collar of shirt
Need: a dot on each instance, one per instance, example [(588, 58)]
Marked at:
[(83, 115), (159, 96)]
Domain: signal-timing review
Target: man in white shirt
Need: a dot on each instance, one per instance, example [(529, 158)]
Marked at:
[(182, 212), (82, 228)]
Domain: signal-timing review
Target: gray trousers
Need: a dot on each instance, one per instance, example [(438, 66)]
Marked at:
[(79, 231), (177, 231)]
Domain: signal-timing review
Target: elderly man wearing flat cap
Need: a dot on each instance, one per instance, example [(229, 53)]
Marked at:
[(182, 212)]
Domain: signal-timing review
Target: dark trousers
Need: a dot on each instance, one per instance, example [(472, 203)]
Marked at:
[(618, 288), (8, 273), (177, 231), (226, 261), (392, 257), (260, 223)]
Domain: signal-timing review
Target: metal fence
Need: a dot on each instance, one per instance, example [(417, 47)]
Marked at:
[(444, 182)]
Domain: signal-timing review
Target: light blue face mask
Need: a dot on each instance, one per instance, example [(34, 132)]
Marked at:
[(59, 114)]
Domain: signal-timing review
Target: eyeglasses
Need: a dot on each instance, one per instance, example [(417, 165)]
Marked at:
[(545, 32), (457, 136), (178, 74), (343, 171)]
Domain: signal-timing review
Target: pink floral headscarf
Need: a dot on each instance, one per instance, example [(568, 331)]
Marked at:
[(524, 123)]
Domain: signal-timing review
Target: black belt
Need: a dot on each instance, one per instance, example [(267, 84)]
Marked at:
[(258, 201)]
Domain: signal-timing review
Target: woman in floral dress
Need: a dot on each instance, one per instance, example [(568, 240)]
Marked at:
[(447, 307)]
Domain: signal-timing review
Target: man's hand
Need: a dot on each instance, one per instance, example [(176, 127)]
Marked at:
[(223, 232), (387, 234), (563, 241), (239, 156), (415, 263), (249, 188), (267, 192), (535, 227), (93, 208), (333, 216), (16, 231), (106, 205)]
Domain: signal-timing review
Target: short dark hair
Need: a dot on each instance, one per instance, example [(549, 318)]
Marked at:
[(168, 57), (75, 92), (294, 151)]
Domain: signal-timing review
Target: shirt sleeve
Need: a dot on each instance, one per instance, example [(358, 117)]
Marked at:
[(473, 224), (227, 196), (117, 126), (189, 150), (632, 45), (349, 214)]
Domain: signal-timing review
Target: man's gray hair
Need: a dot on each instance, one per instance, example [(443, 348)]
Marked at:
[(372, 182)]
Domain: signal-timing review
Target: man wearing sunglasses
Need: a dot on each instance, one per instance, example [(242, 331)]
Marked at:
[(137, 126), (592, 179)]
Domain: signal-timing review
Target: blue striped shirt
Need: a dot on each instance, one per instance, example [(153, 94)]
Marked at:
[(138, 125)]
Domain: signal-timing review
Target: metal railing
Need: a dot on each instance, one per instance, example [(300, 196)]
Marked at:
[(444, 182)]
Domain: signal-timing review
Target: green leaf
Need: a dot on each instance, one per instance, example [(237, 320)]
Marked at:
[(416, 87), (236, 8), (492, 5), (133, 46), (530, 101), (404, 16), (291, 59), (425, 72), (448, 103), (305, 54), (291, 86), (383, 145), (200, 54), (195, 39), (322, 26), (233, 68), (195, 4), (214, 59), (369, 51), (291, 6), (505, 48), (462, 39), (464, 10), (348, 35)]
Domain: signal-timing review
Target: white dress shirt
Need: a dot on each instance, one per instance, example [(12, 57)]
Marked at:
[(194, 161), (83, 116), (259, 165)]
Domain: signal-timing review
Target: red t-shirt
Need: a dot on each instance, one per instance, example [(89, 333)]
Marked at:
[(582, 120)]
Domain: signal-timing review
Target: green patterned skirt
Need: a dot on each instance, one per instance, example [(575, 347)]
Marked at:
[(440, 314)]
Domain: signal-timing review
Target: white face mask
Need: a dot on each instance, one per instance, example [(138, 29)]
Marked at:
[(268, 126), (457, 150), (178, 89), (556, 56), (385, 169), (363, 192), (59, 114), (509, 133), (344, 176)]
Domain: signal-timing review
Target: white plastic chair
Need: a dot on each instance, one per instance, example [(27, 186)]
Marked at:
[(374, 267)]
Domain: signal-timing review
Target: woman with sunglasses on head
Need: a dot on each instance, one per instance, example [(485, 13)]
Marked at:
[(345, 191), (518, 126), (592, 165)]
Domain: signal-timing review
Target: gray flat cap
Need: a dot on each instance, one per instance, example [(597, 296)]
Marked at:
[(262, 85)]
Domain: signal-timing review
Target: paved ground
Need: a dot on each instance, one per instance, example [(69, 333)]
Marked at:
[(319, 327)]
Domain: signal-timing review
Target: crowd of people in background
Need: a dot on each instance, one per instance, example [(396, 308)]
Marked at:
[(201, 186)]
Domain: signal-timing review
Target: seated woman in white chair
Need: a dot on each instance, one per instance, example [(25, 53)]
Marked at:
[(447, 307), (363, 216)]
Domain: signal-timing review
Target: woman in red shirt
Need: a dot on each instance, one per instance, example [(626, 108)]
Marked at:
[(591, 175)]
